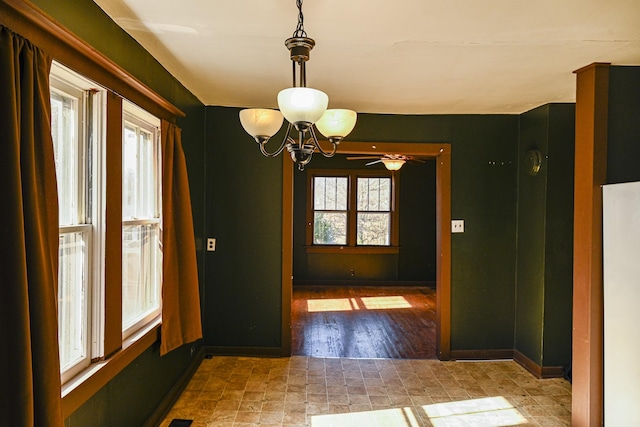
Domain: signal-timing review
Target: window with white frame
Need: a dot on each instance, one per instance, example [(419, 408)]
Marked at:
[(141, 228), (79, 117), (76, 126)]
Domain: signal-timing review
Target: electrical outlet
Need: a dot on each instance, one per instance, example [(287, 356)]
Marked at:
[(457, 226), (211, 244)]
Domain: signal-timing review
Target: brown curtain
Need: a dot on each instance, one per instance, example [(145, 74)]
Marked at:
[(181, 322), (29, 361)]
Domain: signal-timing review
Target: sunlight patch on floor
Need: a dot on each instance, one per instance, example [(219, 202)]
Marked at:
[(396, 417), (383, 303), (333, 304), (484, 412), (348, 304)]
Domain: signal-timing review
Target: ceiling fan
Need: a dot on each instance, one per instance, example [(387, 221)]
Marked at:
[(393, 162)]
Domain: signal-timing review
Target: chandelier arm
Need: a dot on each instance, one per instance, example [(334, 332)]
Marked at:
[(282, 145), (317, 144)]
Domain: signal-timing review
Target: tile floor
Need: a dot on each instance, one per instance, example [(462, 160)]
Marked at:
[(315, 392)]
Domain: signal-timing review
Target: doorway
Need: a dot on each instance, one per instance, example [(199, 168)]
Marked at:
[(442, 155)]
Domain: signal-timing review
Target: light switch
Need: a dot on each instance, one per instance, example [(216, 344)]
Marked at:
[(211, 244), (457, 226)]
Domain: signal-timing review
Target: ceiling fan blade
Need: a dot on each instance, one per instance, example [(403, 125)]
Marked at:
[(362, 157), (374, 162)]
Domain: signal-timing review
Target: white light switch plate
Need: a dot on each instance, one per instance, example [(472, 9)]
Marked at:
[(457, 226)]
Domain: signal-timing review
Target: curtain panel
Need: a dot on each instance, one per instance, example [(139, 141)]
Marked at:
[(181, 321), (29, 361)]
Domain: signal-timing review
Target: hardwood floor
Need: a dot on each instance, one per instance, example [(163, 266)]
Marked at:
[(364, 322)]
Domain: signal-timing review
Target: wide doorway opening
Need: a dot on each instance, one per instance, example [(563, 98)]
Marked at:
[(369, 316)]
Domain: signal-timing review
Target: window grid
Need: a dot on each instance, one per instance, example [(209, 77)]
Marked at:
[(369, 220), (330, 210)]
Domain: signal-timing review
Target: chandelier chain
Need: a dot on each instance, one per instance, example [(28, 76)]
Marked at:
[(300, 32)]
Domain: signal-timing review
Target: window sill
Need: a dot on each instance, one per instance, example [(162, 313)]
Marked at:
[(328, 249), (80, 388)]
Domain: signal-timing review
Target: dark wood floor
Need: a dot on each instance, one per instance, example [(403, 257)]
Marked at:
[(364, 322)]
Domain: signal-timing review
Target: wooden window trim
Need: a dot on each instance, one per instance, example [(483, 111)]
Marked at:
[(351, 247), (26, 19)]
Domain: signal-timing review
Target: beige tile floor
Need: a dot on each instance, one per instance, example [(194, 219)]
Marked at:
[(315, 392)]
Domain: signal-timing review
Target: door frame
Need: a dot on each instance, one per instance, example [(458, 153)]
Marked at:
[(441, 152)]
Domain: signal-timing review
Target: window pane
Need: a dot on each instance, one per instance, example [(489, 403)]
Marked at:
[(330, 193), (129, 171), (72, 299), (373, 229), (141, 272), (374, 194), (330, 228), (64, 130)]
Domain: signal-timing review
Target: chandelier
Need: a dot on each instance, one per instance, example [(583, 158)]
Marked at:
[(303, 107)]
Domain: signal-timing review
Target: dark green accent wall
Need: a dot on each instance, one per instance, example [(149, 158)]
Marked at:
[(244, 214), (131, 397), (545, 236), (623, 144), (133, 394), (417, 232)]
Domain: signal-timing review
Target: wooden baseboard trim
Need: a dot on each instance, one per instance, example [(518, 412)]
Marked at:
[(174, 393), (481, 354), (538, 371), (399, 283), (244, 351)]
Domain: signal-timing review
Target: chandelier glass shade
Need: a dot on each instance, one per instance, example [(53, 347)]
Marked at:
[(261, 122), (304, 108)]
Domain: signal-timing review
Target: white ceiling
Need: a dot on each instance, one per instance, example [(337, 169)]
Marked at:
[(377, 56)]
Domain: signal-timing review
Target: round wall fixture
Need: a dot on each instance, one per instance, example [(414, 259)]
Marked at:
[(533, 161)]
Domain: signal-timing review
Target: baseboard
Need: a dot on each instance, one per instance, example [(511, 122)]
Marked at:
[(481, 354), (360, 282), (244, 351), (538, 371), (174, 393)]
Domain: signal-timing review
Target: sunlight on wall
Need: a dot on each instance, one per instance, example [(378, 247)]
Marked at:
[(348, 304), (484, 412)]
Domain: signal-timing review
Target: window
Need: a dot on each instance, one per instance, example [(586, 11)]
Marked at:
[(330, 210), (79, 117), (351, 209), (75, 124), (374, 211), (141, 206)]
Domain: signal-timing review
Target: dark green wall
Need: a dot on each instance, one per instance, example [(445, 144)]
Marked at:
[(244, 213), (417, 232), (558, 267), (132, 395), (545, 236), (244, 191), (623, 144)]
